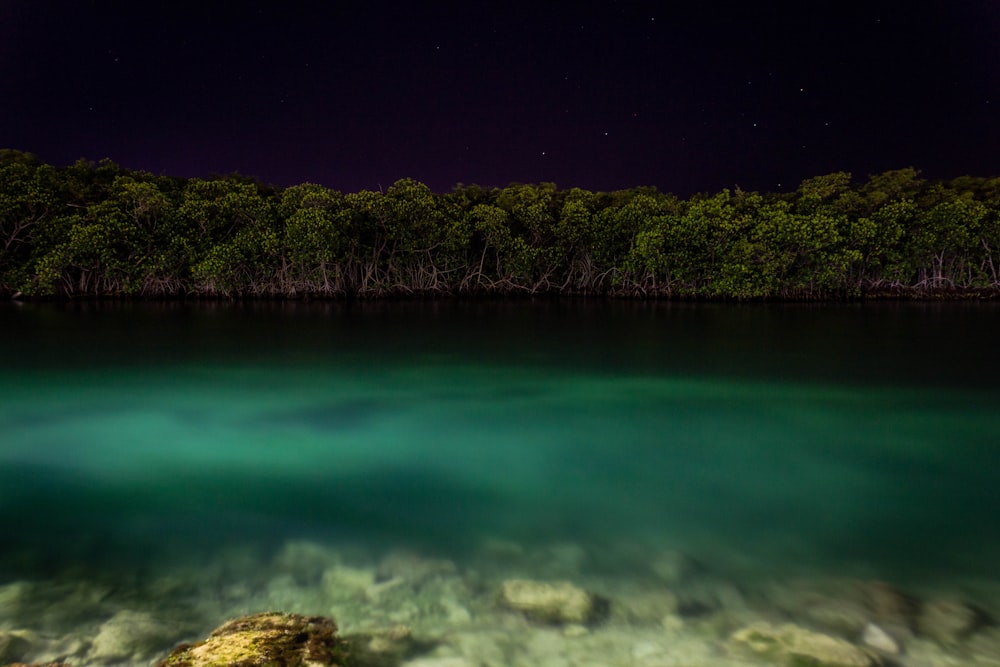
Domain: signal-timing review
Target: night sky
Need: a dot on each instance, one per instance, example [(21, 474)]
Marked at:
[(686, 97)]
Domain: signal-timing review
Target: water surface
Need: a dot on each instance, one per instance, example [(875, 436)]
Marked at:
[(854, 439)]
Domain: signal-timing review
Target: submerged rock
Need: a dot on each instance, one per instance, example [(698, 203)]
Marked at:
[(559, 602), (793, 645), (985, 646), (69, 648), (844, 617), (878, 639), (270, 638), (845, 608), (386, 647), (888, 605), (132, 634), (947, 621), (13, 647)]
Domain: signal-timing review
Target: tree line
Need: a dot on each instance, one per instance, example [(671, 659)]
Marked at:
[(95, 230)]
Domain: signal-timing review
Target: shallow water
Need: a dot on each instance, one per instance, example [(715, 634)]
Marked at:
[(762, 441)]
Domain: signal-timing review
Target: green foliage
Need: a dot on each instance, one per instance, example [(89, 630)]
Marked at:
[(316, 236), (506, 260), (97, 230), (29, 202), (233, 248)]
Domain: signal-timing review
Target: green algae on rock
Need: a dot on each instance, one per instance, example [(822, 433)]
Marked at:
[(271, 638)]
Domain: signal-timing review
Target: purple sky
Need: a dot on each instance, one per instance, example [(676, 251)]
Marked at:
[(601, 95)]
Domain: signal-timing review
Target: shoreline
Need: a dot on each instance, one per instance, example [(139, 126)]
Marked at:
[(906, 295)]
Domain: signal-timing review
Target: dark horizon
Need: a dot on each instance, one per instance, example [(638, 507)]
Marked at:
[(602, 97)]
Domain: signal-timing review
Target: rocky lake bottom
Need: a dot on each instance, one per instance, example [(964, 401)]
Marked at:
[(556, 605)]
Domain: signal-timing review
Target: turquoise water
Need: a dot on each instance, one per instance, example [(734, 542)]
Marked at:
[(850, 439), (164, 467)]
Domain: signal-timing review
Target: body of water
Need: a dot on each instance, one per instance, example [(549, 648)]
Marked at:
[(760, 443)]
